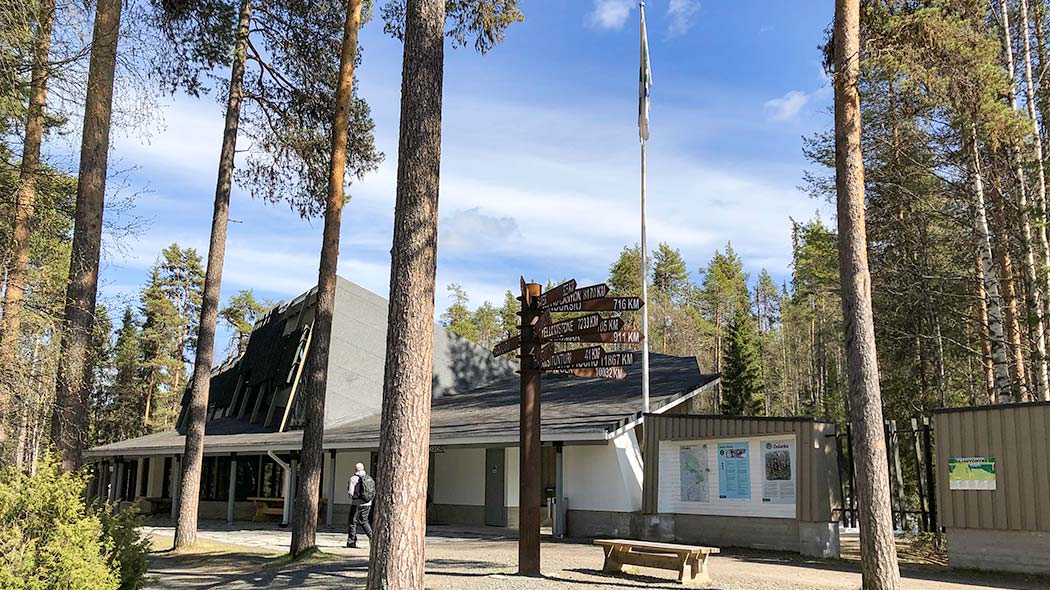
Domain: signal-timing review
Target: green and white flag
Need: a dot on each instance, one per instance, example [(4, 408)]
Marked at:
[(645, 81)]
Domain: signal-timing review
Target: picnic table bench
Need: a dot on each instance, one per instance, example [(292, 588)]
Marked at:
[(668, 556), (274, 507), (267, 507)]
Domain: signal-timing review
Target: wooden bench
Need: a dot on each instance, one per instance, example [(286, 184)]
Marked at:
[(275, 507), (620, 552), (267, 507)]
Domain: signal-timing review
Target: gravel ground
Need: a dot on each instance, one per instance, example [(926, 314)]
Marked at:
[(251, 558)]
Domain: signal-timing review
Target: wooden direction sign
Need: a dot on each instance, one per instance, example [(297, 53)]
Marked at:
[(583, 294), (508, 345), (580, 325), (602, 304), (556, 293), (592, 355), (621, 337), (615, 373)]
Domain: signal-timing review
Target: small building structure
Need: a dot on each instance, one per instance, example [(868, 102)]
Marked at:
[(993, 486), (592, 460)]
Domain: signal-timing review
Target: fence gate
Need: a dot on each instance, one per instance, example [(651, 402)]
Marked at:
[(913, 493)]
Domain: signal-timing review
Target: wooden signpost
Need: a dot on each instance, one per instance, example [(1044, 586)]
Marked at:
[(538, 350)]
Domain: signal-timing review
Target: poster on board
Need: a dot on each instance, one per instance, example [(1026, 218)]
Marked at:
[(734, 472), (778, 479), (694, 473), (971, 473)]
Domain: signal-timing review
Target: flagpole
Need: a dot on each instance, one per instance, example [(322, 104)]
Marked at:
[(645, 300), (643, 109)]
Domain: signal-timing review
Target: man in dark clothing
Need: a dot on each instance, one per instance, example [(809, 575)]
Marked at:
[(361, 489)]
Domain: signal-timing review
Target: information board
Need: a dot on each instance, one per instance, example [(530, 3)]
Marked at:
[(778, 471), (971, 473), (694, 473), (734, 473)]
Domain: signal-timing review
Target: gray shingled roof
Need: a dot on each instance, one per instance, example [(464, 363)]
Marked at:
[(572, 408)]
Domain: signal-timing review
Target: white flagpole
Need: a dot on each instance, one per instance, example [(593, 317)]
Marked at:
[(645, 253), (645, 300)]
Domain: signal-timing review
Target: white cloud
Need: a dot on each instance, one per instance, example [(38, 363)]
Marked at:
[(610, 14), (787, 106), (471, 230), (682, 15)]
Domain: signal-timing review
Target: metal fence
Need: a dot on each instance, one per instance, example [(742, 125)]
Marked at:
[(909, 456)]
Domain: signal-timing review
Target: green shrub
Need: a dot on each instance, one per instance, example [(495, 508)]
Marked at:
[(48, 539), (127, 549)]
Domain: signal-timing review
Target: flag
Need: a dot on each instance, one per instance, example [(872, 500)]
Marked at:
[(645, 80)]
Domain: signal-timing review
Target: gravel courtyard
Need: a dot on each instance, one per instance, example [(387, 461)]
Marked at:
[(251, 557)]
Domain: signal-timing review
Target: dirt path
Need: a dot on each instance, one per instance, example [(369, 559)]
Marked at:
[(469, 562)]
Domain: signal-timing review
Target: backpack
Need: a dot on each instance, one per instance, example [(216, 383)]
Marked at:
[(366, 488)]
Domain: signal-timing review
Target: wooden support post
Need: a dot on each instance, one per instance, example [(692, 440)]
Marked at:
[(111, 495), (140, 474), (898, 476), (176, 477), (530, 465), (852, 478), (122, 481), (231, 497), (329, 516), (931, 483), (920, 476)]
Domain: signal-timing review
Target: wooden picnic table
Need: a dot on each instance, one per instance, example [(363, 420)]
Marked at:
[(274, 507), (668, 556), (267, 507)]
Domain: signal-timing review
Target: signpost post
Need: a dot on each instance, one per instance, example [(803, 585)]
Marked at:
[(536, 343), (529, 443)]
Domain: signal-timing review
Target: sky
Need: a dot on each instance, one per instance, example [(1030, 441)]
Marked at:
[(540, 154)]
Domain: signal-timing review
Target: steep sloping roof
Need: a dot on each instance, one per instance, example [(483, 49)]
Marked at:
[(572, 408), (263, 376)]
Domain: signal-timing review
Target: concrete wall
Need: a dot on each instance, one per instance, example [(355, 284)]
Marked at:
[(1012, 551)]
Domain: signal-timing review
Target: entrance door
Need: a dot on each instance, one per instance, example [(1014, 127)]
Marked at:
[(495, 505)]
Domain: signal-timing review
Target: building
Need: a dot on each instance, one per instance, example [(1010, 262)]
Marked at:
[(993, 475), (592, 461)]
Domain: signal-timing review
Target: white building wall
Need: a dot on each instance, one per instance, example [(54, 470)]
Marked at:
[(155, 477), (344, 469), (459, 477), (604, 477)]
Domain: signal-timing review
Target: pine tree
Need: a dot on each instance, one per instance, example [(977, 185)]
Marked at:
[(457, 317), (240, 313), (127, 397), (743, 388), (508, 316)]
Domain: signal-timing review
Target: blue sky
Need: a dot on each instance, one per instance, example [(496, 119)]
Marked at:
[(540, 154)]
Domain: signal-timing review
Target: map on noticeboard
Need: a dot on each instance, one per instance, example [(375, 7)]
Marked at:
[(694, 473), (734, 471), (971, 473)]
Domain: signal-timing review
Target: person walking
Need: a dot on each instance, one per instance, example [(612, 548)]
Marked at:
[(361, 489)]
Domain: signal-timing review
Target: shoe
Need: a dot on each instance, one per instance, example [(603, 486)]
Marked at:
[(350, 545)]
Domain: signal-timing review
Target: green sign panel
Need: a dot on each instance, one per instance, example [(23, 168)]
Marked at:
[(971, 473)]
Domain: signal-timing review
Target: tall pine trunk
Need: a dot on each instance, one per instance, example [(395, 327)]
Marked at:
[(193, 454), (991, 284), (25, 202), (69, 418), (877, 549), (1019, 387), (304, 518), (397, 558), (1030, 98)]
